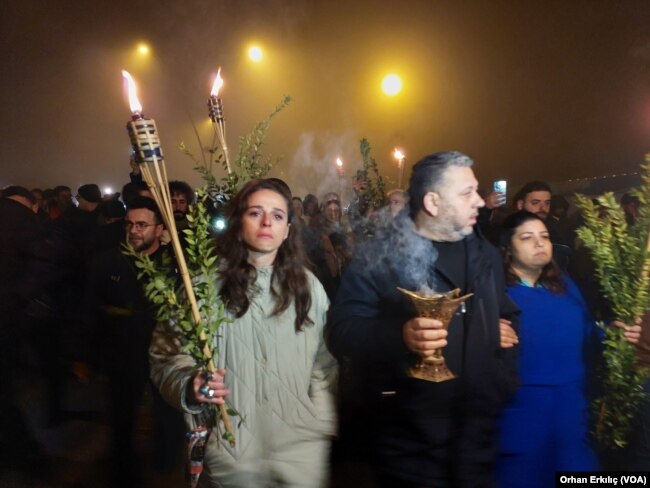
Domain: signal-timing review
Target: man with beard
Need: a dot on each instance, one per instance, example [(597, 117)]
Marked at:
[(182, 197), (426, 434), (123, 320)]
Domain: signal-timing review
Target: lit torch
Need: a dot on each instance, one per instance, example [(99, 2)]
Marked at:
[(148, 154), (215, 111), (399, 155), (339, 170)]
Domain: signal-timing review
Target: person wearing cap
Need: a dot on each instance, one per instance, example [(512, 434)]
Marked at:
[(111, 230)]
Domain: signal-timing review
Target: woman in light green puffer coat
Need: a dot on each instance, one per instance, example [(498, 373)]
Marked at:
[(273, 364)]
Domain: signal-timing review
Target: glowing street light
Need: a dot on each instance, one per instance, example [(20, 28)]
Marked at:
[(255, 54), (143, 49), (391, 85)]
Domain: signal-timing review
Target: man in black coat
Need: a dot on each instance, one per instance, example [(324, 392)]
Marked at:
[(123, 320), (23, 258), (423, 433)]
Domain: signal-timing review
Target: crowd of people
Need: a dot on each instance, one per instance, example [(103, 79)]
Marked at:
[(316, 356)]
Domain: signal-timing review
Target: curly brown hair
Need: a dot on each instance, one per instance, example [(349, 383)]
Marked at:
[(289, 281), (551, 277)]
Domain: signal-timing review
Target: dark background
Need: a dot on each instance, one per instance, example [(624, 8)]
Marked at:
[(554, 90)]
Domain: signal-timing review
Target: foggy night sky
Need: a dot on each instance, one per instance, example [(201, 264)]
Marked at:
[(531, 90)]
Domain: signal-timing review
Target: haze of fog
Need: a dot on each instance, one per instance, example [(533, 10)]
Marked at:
[(531, 90)]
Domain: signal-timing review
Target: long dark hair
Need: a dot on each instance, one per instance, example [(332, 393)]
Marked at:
[(289, 279), (551, 276)]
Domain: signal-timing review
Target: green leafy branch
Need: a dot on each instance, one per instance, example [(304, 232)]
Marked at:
[(622, 267), (163, 289), (250, 163), (375, 196)]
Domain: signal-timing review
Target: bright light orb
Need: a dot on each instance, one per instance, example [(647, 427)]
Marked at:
[(391, 85), (255, 54), (108, 190), (143, 49)]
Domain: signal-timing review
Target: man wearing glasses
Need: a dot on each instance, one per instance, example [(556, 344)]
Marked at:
[(143, 226), (123, 319)]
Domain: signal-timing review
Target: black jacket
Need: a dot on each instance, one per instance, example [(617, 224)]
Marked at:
[(440, 434)]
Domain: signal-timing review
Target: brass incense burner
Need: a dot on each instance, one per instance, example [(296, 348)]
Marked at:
[(440, 306)]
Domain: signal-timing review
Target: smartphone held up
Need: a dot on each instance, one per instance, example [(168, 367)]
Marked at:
[(501, 187)]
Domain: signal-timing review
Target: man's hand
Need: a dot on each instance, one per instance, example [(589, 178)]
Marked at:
[(508, 335), (423, 336), (209, 387), (632, 332), (494, 200), (135, 167)]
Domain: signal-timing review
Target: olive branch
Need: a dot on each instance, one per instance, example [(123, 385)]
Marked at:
[(622, 266), (168, 295)]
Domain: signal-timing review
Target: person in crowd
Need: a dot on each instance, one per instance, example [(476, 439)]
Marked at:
[(311, 208), (42, 204), (565, 226), (358, 212), (397, 200), (298, 209), (19, 284), (82, 222), (630, 205), (427, 434), (327, 225), (110, 233), (274, 366), (133, 190), (329, 218), (123, 319), (534, 197), (49, 198), (182, 196), (545, 428), (62, 201)]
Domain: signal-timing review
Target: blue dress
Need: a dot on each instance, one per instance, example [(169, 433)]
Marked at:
[(545, 428)]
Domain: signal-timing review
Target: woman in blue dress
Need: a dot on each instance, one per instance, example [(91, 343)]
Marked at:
[(545, 428)]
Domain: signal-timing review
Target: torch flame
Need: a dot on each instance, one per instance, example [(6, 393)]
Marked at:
[(218, 83), (134, 103), (339, 162), (398, 154)]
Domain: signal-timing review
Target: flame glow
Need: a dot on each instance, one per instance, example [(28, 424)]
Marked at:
[(134, 103), (398, 154), (218, 83), (339, 162)]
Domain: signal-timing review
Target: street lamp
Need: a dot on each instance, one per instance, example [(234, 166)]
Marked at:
[(391, 84), (399, 155), (143, 49), (255, 54)]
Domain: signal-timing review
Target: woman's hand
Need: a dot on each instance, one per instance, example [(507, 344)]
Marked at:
[(208, 387), (508, 335), (632, 332)]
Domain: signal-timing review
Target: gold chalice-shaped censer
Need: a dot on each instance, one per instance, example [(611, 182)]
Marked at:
[(440, 306)]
